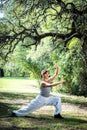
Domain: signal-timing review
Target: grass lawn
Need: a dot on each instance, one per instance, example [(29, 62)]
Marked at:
[(16, 93)]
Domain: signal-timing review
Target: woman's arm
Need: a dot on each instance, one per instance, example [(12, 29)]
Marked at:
[(55, 74), (45, 84)]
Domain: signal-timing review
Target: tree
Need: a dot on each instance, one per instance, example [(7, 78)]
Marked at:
[(38, 19), (1, 72)]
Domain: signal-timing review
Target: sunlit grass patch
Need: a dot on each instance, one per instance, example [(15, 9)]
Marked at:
[(18, 85)]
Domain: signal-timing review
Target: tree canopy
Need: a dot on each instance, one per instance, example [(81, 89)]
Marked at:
[(33, 20)]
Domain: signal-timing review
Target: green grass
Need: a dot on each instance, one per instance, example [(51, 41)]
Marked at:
[(15, 93)]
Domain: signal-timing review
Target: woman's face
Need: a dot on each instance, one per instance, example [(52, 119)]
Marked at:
[(46, 75)]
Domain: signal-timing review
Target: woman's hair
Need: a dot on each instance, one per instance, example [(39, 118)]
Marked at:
[(44, 72)]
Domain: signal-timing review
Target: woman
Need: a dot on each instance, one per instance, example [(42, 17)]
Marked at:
[(44, 97)]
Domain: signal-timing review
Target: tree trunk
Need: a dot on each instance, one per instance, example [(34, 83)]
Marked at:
[(1, 72), (83, 76)]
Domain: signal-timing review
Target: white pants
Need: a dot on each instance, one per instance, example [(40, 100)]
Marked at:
[(39, 102)]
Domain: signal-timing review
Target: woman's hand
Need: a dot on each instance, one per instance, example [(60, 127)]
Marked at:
[(62, 80), (57, 69), (56, 66)]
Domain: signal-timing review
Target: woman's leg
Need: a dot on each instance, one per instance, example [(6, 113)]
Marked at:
[(56, 102), (31, 107)]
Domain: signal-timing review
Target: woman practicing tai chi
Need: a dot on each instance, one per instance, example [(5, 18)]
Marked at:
[(44, 97)]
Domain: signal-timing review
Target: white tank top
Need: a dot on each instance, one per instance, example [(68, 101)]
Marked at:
[(45, 91)]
